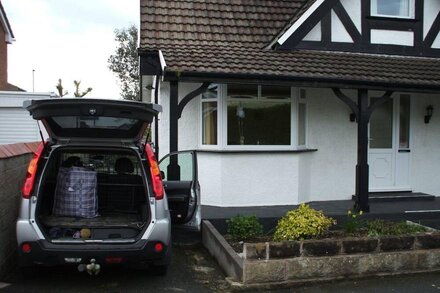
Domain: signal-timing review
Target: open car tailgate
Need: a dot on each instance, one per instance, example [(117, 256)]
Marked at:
[(67, 119)]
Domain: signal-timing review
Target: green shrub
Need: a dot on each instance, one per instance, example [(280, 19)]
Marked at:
[(383, 228), (244, 227), (302, 223), (354, 222)]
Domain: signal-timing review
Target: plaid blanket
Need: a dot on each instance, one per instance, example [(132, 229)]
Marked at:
[(75, 193)]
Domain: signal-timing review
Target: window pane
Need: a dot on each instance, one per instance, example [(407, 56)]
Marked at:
[(381, 126), (211, 93), (393, 7), (209, 123), (242, 91), (275, 92), (404, 121), (178, 167), (301, 124), (258, 123)]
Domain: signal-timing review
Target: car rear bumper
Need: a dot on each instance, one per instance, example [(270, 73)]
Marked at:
[(48, 254)]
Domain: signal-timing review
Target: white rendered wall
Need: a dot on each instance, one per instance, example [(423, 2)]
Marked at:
[(314, 34), (353, 8), (332, 167), (339, 33), (425, 145), (253, 179), (392, 37), (188, 123), (431, 9)]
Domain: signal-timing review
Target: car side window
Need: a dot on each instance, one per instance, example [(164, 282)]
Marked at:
[(178, 167)]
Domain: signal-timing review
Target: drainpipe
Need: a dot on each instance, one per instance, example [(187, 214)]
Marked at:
[(156, 124)]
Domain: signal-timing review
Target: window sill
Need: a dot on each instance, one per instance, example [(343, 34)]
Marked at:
[(248, 151), (392, 18)]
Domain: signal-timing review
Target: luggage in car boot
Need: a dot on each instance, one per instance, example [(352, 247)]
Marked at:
[(76, 193)]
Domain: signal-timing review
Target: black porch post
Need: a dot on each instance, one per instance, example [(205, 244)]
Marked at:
[(173, 168), (362, 153), (174, 122)]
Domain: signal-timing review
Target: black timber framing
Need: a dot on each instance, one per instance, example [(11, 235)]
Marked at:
[(203, 88), (363, 111), (308, 24), (174, 126), (177, 108), (347, 22), (433, 32), (362, 40)]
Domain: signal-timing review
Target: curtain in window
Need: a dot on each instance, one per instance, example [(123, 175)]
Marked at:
[(209, 123)]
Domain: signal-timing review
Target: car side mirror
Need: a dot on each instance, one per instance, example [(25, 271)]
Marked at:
[(162, 175)]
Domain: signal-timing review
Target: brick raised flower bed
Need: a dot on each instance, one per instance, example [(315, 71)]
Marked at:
[(275, 264)]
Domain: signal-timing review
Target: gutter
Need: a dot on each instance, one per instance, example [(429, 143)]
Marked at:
[(300, 81)]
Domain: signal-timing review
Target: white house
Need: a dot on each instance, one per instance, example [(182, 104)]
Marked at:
[(296, 101)]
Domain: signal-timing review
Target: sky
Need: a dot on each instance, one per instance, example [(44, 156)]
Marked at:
[(67, 39)]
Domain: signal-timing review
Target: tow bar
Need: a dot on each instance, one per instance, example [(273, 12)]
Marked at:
[(92, 268)]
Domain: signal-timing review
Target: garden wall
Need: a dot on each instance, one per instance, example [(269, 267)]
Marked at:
[(14, 160), (284, 264)]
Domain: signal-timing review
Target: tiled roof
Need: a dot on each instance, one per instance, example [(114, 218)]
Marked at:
[(231, 37), (12, 88)]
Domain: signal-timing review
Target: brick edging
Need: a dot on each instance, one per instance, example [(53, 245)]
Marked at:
[(17, 149)]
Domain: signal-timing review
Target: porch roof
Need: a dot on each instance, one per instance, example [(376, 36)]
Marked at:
[(203, 39)]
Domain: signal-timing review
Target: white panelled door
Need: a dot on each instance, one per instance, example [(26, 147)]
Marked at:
[(389, 150)]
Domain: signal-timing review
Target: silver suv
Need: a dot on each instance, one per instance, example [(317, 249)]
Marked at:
[(93, 193)]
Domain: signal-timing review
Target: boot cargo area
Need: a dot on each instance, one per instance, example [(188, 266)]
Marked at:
[(93, 194)]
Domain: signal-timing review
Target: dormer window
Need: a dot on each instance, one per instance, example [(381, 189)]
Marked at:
[(392, 8)]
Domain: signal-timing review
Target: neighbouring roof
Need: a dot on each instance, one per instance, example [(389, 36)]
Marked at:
[(230, 37), (6, 25), (12, 88)]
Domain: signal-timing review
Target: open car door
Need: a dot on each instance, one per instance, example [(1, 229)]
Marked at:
[(182, 188)]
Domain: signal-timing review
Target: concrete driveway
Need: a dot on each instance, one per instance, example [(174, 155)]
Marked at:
[(192, 270)]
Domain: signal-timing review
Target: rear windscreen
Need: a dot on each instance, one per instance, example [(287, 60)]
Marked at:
[(95, 122), (96, 127)]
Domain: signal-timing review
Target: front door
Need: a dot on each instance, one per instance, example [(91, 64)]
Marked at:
[(389, 149)]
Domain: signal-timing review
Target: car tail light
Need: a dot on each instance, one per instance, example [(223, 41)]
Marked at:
[(26, 247), (158, 247), (156, 177), (28, 184)]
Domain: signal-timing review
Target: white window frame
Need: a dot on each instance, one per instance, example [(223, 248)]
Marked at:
[(219, 128), (410, 16), (222, 122), (303, 101)]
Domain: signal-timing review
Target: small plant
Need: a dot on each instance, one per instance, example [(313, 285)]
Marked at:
[(302, 223), (385, 228), (244, 227), (354, 222)]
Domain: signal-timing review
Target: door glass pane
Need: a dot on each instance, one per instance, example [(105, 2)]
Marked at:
[(209, 123), (178, 167), (404, 121), (381, 126), (258, 123), (301, 124)]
